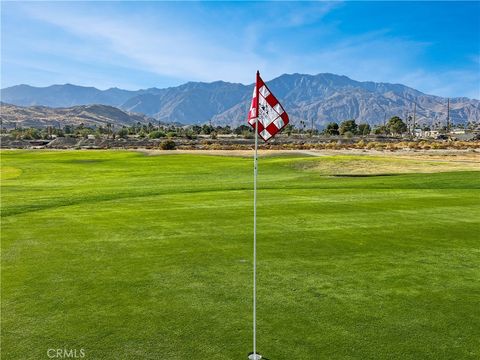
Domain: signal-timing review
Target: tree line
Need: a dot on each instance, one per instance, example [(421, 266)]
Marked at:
[(395, 126)]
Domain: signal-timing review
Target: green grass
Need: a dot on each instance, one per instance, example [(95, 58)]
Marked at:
[(149, 257)]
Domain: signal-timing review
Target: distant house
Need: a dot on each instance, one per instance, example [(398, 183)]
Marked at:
[(431, 134), (418, 133), (91, 137)]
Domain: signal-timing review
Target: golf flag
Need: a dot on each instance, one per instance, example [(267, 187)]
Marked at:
[(272, 118)]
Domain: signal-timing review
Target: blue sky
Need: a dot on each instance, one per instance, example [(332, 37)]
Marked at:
[(431, 46)]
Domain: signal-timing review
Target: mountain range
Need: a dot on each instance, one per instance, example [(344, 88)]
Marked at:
[(309, 99)]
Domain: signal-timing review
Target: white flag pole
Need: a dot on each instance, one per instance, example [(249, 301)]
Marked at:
[(255, 171)]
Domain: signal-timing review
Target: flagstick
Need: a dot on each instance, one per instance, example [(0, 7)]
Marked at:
[(269, 109), (255, 171)]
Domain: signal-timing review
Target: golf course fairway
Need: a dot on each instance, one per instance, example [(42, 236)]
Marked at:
[(129, 256)]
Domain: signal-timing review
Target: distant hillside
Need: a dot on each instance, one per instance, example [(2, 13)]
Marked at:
[(89, 115), (319, 98), (191, 103), (67, 95)]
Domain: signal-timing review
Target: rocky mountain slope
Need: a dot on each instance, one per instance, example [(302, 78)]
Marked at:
[(326, 97), (307, 98), (89, 115)]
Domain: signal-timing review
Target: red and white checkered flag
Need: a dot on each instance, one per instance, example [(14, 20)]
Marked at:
[(272, 118)]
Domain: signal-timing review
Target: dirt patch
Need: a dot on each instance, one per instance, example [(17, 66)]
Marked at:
[(442, 155), (387, 165)]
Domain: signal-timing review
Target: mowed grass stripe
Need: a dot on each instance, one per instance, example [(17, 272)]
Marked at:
[(349, 268)]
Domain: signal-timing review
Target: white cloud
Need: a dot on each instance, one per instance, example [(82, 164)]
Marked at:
[(163, 49), (169, 47)]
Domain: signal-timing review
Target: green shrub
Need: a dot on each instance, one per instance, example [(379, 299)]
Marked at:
[(248, 135), (190, 135), (123, 133), (156, 134), (168, 145)]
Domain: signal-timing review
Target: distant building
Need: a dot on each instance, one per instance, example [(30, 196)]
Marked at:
[(431, 134), (418, 133)]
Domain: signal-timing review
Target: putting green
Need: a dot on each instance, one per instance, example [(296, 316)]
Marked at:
[(128, 256)]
